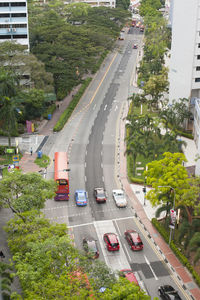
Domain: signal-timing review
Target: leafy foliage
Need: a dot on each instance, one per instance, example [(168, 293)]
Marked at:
[(23, 192)]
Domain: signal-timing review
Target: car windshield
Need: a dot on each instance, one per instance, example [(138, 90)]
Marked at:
[(138, 243), (100, 195), (114, 244)]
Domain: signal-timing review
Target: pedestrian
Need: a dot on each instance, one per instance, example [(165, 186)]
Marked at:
[(2, 256), (31, 151)]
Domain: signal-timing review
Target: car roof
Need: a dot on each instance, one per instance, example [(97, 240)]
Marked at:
[(135, 236), (112, 237)]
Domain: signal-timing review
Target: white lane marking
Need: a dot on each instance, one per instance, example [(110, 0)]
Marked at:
[(105, 107), (92, 223), (127, 252), (148, 263), (94, 107), (85, 164), (116, 107), (85, 179)]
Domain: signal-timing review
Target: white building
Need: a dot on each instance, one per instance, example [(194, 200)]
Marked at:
[(184, 72), (14, 21)]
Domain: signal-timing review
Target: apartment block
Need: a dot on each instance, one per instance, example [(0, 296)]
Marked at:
[(184, 73), (14, 21)]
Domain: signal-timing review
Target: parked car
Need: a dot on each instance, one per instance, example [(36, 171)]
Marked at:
[(120, 198), (135, 46), (81, 197), (129, 275), (133, 239), (90, 247), (167, 292), (100, 195), (111, 241)]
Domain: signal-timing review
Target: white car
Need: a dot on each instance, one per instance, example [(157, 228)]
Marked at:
[(120, 198)]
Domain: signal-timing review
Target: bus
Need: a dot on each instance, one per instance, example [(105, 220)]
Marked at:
[(61, 175)]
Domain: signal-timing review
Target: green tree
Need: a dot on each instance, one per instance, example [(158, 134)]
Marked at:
[(168, 172), (22, 192), (26, 67), (34, 103), (8, 92), (124, 289)]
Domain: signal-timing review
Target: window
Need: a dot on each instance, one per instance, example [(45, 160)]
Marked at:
[(20, 36), (18, 4), (21, 15), (198, 56), (4, 15), (4, 4), (19, 25), (197, 79), (5, 37), (198, 45), (198, 68)]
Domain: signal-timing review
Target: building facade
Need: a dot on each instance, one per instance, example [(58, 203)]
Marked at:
[(14, 21), (184, 72)]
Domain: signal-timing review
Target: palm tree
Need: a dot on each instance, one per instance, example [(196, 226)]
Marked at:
[(134, 147), (8, 92)]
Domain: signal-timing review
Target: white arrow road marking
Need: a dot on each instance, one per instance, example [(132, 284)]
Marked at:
[(116, 107), (148, 263), (105, 107)]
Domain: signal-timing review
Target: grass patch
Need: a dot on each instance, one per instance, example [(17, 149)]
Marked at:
[(43, 162)]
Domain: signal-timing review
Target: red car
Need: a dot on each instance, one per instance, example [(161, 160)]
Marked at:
[(100, 195), (134, 240), (129, 275), (111, 241), (135, 46)]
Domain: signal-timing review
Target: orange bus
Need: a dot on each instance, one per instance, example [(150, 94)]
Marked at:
[(61, 175)]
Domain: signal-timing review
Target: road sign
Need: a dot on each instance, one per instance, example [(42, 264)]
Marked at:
[(172, 218), (15, 157)]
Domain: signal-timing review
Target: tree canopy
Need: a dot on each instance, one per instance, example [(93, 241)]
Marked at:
[(23, 192)]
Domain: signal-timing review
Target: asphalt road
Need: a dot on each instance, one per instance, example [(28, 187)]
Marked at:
[(91, 138)]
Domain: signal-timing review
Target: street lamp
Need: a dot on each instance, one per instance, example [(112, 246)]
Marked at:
[(172, 226)]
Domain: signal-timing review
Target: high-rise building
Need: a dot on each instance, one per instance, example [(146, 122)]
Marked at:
[(184, 73), (14, 21)]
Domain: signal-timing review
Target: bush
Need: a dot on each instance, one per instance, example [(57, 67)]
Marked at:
[(176, 251), (50, 110), (69, 110)]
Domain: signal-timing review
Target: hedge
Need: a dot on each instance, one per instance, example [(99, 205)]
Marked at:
[(50, 110), (176, 251), (69, 110)]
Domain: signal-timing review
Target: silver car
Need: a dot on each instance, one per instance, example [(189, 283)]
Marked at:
[(120, 198)]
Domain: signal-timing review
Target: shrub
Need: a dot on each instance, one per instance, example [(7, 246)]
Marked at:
[(69, 110), (176, 251), (50, 110), (98, 64)]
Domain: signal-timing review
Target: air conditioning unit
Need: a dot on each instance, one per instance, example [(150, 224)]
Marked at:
[(14, 29)]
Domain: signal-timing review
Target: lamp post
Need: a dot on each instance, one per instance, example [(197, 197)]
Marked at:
[(172, 212)]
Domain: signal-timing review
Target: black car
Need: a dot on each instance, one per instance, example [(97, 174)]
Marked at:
[(90, 247), (167, 292)]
